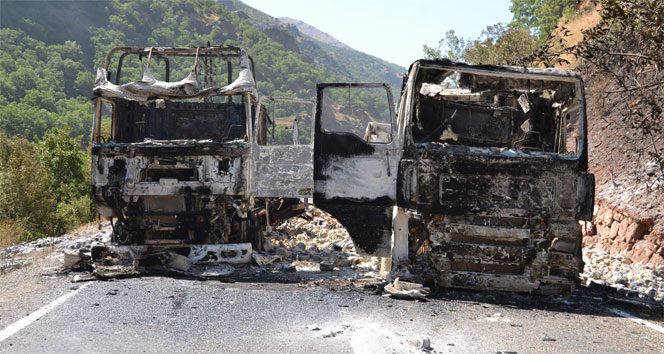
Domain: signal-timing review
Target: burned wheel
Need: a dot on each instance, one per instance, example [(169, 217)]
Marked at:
[(124, 233)]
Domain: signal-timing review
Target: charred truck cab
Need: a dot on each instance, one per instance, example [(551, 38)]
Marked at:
[(483, 170), (172, 162), (480, 171)]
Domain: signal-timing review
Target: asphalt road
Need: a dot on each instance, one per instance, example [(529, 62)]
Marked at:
[(169, 315)]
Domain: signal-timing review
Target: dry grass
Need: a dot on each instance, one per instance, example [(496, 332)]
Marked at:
[(588, 16), (10, 232)]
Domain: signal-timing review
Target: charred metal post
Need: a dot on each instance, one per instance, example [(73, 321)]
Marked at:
[(399, 236)]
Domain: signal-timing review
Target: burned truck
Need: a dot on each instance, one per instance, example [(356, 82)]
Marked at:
[(479, 171), (482, 171), (173, 161)]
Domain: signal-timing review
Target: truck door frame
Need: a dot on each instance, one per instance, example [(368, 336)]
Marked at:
[(281, 171), (355, 180)]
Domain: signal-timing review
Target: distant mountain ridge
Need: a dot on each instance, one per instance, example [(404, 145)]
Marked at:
[(313, 32), (321, 48)]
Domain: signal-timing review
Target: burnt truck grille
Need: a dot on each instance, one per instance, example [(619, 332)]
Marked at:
[(516, 254), (181, 174)]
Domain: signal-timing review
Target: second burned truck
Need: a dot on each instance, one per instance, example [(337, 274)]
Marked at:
[(481, 169)]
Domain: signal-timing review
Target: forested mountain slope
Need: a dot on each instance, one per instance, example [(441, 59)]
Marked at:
[(49, 51)]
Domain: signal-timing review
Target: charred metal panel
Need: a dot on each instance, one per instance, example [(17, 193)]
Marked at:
[(348, 169), (370, 227), (341, 144), (283, 171), (585, 196), (166, 175), (457, 181), (367, 180), (196, 254)]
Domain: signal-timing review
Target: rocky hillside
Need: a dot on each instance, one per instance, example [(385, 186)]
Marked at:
[(313, 32), (321, 48)]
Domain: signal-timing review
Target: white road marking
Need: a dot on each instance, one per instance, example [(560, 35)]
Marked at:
[(657, 328), (29, 319)]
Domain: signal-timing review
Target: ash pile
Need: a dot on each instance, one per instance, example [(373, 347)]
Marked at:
[(307, 247)]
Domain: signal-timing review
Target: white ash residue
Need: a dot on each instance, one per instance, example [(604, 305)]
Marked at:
[(17, 256), (634, 279)]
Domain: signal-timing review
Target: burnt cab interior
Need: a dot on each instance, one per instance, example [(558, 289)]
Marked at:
[(462, 108), (177, 120)]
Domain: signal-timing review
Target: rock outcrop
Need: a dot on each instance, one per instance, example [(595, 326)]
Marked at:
[(616, 232)]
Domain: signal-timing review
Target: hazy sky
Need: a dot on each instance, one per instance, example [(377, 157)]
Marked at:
[(394, 30)]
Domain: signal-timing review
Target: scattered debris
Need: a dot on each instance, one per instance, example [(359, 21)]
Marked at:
[(289, 268), (176, 262), (498, 317), (115, 272), (75, 258), (406, 290), (425, 344), (326, 267), (307, 244), (335, 332), (262, 260), (218, 272), (78, 278)]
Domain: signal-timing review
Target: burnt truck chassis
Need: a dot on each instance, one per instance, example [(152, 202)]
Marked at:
[(504, 217)]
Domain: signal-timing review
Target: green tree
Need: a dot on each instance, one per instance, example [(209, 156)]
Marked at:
[(43, 185), (68, 178), (65, 162), (541, 16), (499, 44), (24, 195), (451, 46)]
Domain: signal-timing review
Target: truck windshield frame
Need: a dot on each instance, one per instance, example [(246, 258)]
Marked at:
[(150, 109), (224, 53), (541, 78)]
